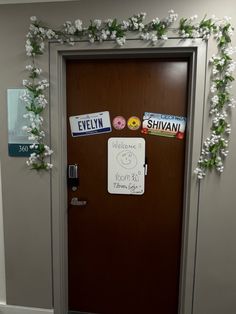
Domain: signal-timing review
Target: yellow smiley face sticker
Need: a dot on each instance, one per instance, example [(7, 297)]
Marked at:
[(134, 123)]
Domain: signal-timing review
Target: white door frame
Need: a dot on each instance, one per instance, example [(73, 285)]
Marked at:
[(197, 53)]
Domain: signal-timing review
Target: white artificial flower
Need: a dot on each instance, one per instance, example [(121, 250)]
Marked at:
[(49, 166), (25, 82), (33, 18), (141, 26), (231, 67), (78, 25), (229, 51), (113, 35), (172, 17), (29, 48), (195, 34), (221, 62), (218, 35), (109, 22), (153, 39), (38, 71), (214, 70), (194, 17), (29, 67), (135, 25), (97, 23), (156, 20), (120, 41), (164, 37), (125, 25), (69, 28), (50, 34), (145, 36), (213, 88), (103, 35), (91, 39)]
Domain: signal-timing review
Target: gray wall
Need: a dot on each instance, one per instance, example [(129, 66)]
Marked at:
[(26, 195)]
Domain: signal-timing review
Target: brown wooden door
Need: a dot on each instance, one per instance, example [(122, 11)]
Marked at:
[(124, 251)]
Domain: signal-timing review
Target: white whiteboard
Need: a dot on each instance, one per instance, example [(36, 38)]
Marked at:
[(126, 165)]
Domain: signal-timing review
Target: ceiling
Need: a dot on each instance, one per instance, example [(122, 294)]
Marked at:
[(30, 1)]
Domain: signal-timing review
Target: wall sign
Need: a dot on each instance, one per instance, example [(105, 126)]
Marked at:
[(18, 143), (163, 125), (126, 165), (90, 124)]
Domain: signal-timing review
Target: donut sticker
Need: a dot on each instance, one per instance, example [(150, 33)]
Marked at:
[(134, 123), (119, 123)]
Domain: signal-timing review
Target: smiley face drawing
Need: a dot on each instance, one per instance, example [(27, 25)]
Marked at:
[(127, 159)]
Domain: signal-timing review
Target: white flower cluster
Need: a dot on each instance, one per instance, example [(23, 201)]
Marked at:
[(39, 102), (42, 85), (136, 22), (190, 30), (157, 28), (100, 31), (171, 18), (33, 70), (36, 36), (152, 37), (37, 155), (69, 31), (35, 134), (125, 25), (206, 155), (203, 30), (219, 120), (215, 147), (69, 28), (33, 160), (223, 27), (79, 25), (39, 87), (35, 119)]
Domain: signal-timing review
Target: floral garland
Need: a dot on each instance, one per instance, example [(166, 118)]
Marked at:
[(215, 146)]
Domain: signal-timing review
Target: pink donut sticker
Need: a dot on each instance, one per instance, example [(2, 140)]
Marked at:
[(119, 123)]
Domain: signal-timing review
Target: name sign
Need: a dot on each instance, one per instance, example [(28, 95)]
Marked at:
[(126, 165), (163, 125), (90, 124)]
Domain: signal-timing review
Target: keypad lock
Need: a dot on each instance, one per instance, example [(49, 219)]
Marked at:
[(73, 177)]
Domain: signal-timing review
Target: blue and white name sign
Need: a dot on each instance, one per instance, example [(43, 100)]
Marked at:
[(90, 124)]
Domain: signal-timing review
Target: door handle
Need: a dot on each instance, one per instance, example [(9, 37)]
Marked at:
[(76, 202)]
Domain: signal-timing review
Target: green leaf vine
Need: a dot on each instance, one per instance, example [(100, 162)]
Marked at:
[(215, 147)]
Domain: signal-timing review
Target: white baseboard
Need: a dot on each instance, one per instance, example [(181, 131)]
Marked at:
[(11, 309)]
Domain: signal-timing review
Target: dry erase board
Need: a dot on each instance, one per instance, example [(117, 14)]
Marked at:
[(126, 165)]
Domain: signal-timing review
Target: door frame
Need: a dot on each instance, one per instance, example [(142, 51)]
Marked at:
[(196, 51)]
